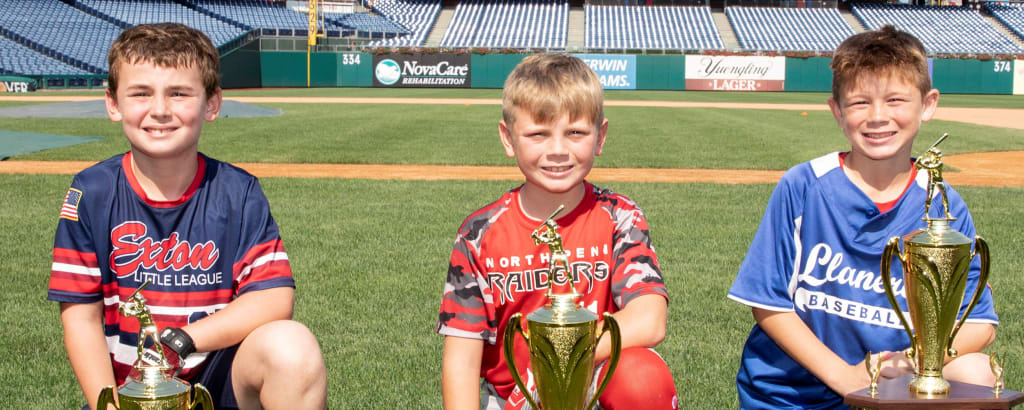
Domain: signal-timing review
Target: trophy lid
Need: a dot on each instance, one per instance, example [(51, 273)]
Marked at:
[(938, 233), (153, 387)]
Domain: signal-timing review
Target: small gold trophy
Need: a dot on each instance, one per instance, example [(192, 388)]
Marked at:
[(562, 338), (935, 264), (155, 390)]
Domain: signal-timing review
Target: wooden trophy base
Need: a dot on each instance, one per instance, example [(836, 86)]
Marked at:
[(894, 394)]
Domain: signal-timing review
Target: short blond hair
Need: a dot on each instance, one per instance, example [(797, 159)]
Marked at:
[(548, 85)]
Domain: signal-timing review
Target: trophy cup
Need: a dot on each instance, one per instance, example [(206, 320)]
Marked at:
[(935, 261), (154, 389), (562, 338)]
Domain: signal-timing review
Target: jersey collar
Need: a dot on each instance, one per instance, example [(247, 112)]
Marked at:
[(126, 164)]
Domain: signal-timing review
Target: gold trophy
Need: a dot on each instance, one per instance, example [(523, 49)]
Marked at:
[(562, 338), (154, 390), (935, 264)]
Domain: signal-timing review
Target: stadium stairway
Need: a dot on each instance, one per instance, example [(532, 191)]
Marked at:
[(577, 28), (852, 20), (1003, 29), (444, 19), (729, 41)]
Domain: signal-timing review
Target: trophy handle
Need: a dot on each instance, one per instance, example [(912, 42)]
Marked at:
[(609, 325), (106, 398), (201, 397), (980, 248), (515, 324), (892, 248)]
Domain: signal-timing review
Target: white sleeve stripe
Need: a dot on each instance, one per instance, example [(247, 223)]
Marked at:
[(262, 260), (989, 321), (184, 311), (75, 269), (760, 306), (170, 310)]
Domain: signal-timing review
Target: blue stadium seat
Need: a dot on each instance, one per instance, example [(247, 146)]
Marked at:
[(788, 29), (1011, 15), (415, 16), (659, 27), (505, 23), (943, 30)]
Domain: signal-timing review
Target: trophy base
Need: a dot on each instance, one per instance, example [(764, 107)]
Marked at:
[(896, 394), (929, 386)]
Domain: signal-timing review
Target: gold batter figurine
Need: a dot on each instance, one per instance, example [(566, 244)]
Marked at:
[(547, 233), (932, 161), (136, 307)]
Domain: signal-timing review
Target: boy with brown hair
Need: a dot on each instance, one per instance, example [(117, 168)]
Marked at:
[(199, 229), (553, 125), (811, 275)]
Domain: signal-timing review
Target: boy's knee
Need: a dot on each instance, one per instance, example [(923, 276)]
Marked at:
[(641, 380), (284, 345), (973, 368)]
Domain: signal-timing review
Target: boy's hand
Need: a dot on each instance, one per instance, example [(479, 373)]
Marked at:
[(150, 357), (175, 344), (895, 364), (856, 377)]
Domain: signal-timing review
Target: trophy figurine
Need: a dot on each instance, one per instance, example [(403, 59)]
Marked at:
[(935, 261), (153, 389), (562, 338)]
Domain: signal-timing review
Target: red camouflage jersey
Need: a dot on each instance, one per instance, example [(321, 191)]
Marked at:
[(497, 270), (201, 251)]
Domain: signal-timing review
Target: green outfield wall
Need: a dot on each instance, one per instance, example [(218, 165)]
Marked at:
[(249, 68)]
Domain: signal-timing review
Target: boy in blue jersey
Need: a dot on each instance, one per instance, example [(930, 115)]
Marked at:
[(198, 228), (811, 274)]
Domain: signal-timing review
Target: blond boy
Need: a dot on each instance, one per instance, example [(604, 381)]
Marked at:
[(554, 126)]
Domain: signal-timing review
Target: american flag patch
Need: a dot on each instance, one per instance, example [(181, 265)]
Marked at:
[(70, 208)]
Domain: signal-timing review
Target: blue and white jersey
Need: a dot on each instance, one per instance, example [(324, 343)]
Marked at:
[(818, 253)]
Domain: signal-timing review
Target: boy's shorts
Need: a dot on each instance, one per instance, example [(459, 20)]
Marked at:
[(216, 377)]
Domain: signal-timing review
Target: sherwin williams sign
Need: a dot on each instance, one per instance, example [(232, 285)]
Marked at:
[(735, 73), (421, 70), (617, 72)]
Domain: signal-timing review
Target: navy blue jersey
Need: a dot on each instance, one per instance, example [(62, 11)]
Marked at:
[(201, 251), (818, 252)]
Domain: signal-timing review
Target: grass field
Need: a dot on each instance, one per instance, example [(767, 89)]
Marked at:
[(370, 257)]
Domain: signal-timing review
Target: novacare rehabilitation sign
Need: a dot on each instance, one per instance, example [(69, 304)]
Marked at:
[(735, 73), (421, 70)]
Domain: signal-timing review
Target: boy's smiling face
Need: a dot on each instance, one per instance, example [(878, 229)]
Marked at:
[(162, 109), (881, 114), (556, 156)]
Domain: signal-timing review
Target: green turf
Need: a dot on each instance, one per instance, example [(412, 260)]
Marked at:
[(458, 134), (370, 257), (946, 100), (370, 273)]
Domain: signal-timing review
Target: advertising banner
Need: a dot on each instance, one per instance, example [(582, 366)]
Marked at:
[(1018, 77), (735, 73), (421, 70), (617, 72), (12, 84)]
